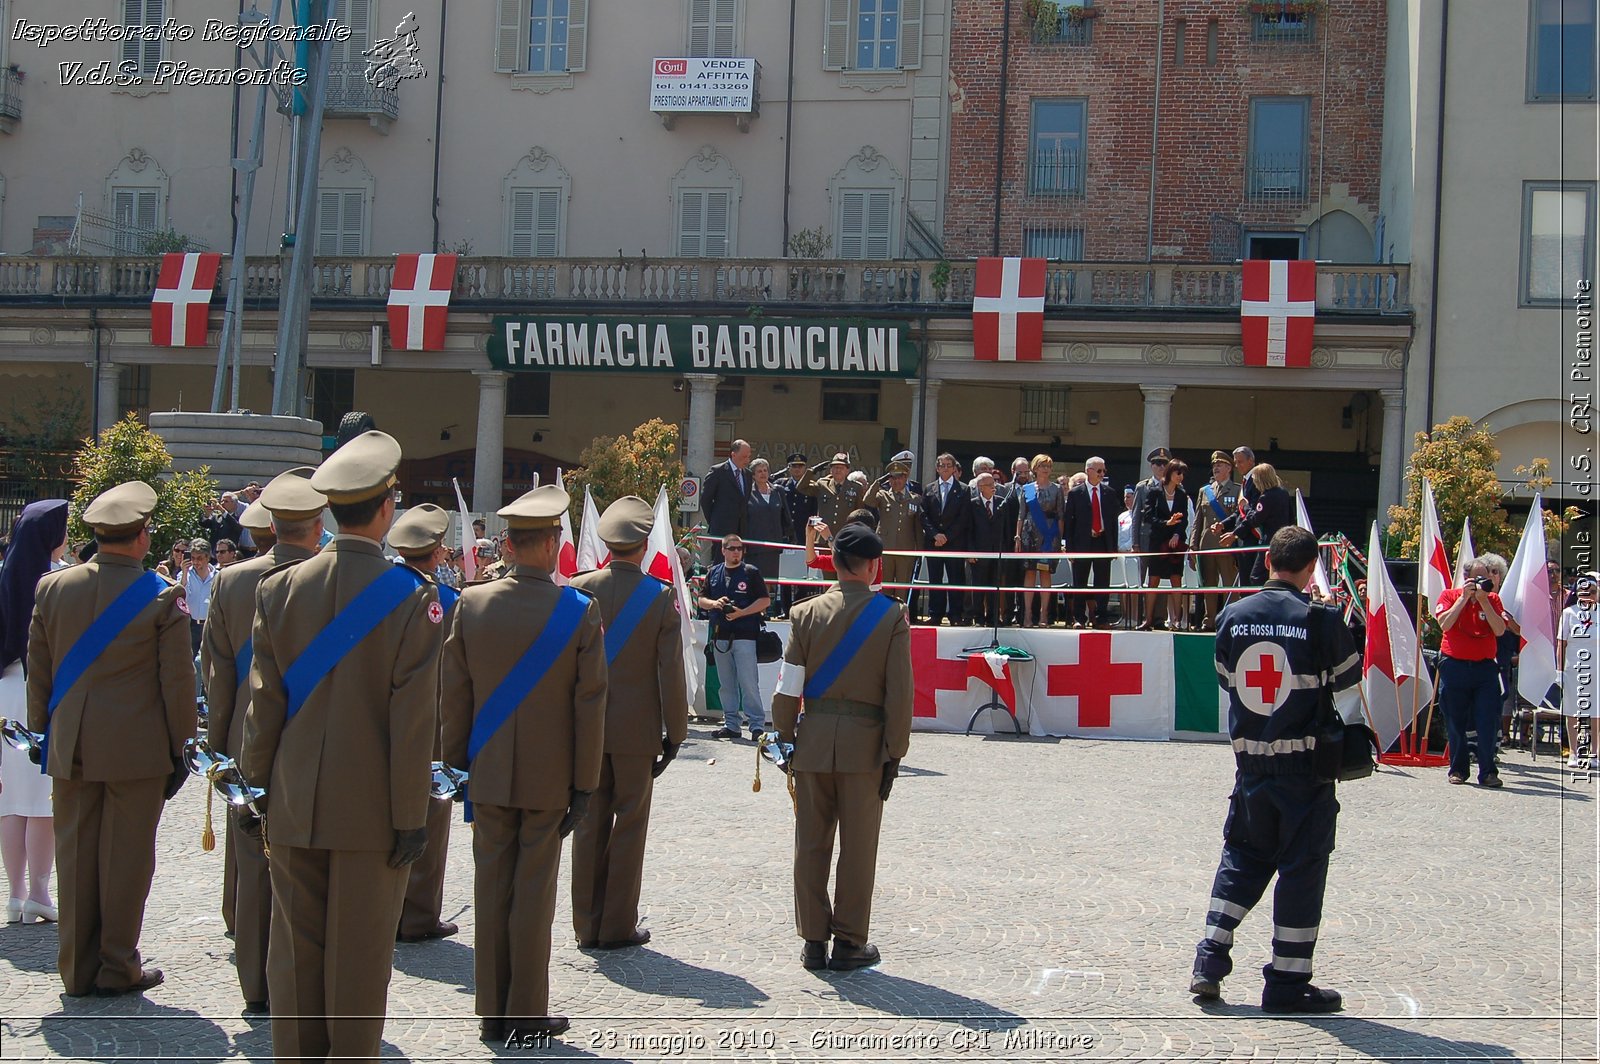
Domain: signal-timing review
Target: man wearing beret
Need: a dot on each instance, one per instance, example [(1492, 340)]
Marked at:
[(647, 719), (418, 537), (339, 731), (111, 684), (849, 658), (1217, 501), (524, 711), (226, 651)]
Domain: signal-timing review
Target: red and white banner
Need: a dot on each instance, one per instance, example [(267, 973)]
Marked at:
[(1465, 551), (1433, 563), (419, 301), (181, 305), (591, 551), (1097, 684), (661, 561), (1008, 310), (1526, 596), (567, 560), (1277, 311), (1320, 577), (469, 541), (1390, 665)]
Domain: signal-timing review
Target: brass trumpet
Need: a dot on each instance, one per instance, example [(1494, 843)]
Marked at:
[(226, 779)]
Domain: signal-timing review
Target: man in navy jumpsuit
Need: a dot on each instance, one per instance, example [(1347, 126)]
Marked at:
[(1277, 655)]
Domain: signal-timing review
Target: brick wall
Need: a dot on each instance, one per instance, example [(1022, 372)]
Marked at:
[(1200, 196)]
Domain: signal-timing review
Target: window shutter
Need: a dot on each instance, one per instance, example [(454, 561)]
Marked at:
[(510, 40), (836, 35), (123, 210), (328, 222), (547, 243), (132, 15), (715, 239), (524, 204), (357, 16), (852, 224), (725, 28), (700, 28), (148, 211), (910, 34), (691, 218), (350, 224), (577, 34), (875, 241)]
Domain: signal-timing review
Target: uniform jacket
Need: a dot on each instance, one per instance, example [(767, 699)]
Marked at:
[(129, 715), (951, 517), (1080, 517), (1227, 496), (800, 506), (899, 518), (352, 768), (724, 505), (999, 531), (645, 690), (834, 500), (1261, 516), (554, 740), (879, 675), (428, 578), (228, 625), (1141, 496)]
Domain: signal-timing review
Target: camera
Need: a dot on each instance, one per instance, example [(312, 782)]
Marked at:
[(1482, 583)]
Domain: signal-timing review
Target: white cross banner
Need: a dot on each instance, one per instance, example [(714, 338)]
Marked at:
[(1008, 310), (181, 305), (1277, 311), (419, 301)]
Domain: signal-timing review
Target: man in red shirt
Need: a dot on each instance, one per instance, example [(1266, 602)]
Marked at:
[(1469, 680)]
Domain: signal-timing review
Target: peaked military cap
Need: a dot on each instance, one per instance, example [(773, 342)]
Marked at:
[(121, 510), (904, 456), (256, 518), (289, 496), (840, 459), (362, 469), (858, 541), (420, 530), (627, 522), (540, 508), (1221, 456), (1160, 454), (797, 458), (899, 469)]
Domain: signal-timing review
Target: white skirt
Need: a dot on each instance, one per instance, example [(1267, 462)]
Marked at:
[(26, 789)]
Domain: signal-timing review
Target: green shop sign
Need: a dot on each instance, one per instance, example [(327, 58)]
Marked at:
[(779, 347)]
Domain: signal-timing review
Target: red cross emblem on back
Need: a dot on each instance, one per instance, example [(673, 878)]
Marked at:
[(1262, 678), (1266, 678)]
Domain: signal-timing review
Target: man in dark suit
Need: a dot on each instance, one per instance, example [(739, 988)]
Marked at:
[(947, 528), (994, 528), (724, 496), (1091, 529), (1158, 460)]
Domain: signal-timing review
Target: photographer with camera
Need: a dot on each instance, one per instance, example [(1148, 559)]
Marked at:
[(735, 597), (1472, 619)]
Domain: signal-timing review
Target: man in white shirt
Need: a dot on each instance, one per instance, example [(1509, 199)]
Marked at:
[(197, 580)]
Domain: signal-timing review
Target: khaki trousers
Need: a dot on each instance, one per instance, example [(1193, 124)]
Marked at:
[(424, 905), (848, 802), (897, 570), (334, 914), (105, 860), (252, 909), (608, 850), (518, 854), (230, 874), (1216, 570)]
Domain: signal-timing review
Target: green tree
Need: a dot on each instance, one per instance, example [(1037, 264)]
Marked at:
[(632, 464), (128, 451)]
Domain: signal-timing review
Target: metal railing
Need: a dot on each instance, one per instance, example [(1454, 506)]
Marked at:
[(350, 95), (10, 94), (1056, 173), (1375, 288), (1276, 177), (1283, 27)]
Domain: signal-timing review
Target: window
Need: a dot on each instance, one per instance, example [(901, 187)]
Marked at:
[(528, 395), (347, 66), (1277, 159), (1074, 25), (535, 223), (865, 223), (713, 28), (1274, 245), (1283, 27), (141, 21), (341, 222), (872, 35), (1180, 30), (1211, 42), (730, 398), (705, 222), (850, 400), (136, 214), (1056, 242), (1561, 56), (1055, 144), (541, 36), (333, 395), (133, 390), (1557, 240), (1045, 408)]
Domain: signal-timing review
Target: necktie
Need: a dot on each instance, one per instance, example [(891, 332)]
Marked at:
[(944, 492), (738, 478), (1096, 526), (990, 504)]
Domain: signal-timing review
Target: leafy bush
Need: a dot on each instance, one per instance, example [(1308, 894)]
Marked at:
[(128, 451), (637, 464)]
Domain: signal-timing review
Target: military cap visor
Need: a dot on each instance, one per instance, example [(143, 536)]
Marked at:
[(256, 518), (899, 469), (290, 496), (1221, 456), (627, 522), (840, 459), (120, 510), (362, 469), (540, 508), (1160, 454), (419, 530), (798, 458)]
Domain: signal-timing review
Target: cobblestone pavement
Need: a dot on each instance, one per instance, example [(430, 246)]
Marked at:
[(1037, 900)]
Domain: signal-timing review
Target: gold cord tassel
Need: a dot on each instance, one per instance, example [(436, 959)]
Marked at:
[(794, 798), (755, 784), (208, 838)]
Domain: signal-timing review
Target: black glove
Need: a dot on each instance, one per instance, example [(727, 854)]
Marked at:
[(891, 769), (175, 781), (408, 846), (36, 755), (669, 751), (248, 822), (576, 808)]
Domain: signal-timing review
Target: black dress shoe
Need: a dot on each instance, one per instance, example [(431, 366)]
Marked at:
[(1205, 988), (639, 937), (536, 1028), (725, 733), (258, 1006), (814, 956), (847, 958), (492, 1030), (755, 735), (148, 979), (442, 929), (1306, 998)]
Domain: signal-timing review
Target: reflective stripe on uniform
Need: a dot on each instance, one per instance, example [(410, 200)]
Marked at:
[(1220, 935), (1291, 964), (1294, 934), (1276, 746), (1228, 908)]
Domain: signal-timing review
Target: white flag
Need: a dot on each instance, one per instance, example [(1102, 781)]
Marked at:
[(469, 542), (661, 561), (1464, 551), (1526, 596), (592, 552), (567, 560), (1303, 519), (1391, 654), (1433, 564)]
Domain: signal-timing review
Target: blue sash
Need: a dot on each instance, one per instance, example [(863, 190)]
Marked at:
[(241, 662), (341, 635), (101, 633), (448, 597), (528, 670), (1216, 503), (1045, 526), (844, 653), (628, 618)]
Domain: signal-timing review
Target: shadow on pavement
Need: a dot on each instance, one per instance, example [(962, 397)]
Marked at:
[(119, 1029), (30, 947), (650, 972), (1380, 1041), (439, 960), (896, 996)]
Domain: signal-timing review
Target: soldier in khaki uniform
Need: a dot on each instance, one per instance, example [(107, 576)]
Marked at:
[(116, 729), (524, 710), (257, 520), (225, 655), (1216, 501), (339, 730), (899, 526), (418, 537), (849, 658), (837, 495), (645, 696)]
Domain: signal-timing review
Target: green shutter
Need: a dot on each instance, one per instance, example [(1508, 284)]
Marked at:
[(350, 232), (852, 224), (879, 225)]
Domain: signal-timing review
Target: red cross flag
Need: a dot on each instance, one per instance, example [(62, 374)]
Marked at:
[(1277, 311), (1106, 683), (182, 301), (419, 301), (940, 678), (1391, 663), (1433, 562), (1008, 311)]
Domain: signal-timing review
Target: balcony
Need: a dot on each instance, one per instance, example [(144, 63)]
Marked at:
[(10, 98), (495, 283), (350, 95), (1277, 177)]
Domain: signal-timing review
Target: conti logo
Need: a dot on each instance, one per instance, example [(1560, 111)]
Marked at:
[(672, 68)]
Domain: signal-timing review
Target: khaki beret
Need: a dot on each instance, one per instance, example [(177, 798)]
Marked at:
[(256, 518), (899, 469), (289, 496), (121, 510), (627, 522), (362, 469), (540, 508), (419, 531), (1221, 456)]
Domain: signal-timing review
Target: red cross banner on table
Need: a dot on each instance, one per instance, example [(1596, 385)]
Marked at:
[(181, 305), (994, 670), (1104, 683), (941, 679), (1277, 311), (419, 301), (1008, 310)]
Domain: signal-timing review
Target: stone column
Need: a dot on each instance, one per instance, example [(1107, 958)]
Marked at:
[(1392, 452), (702, 422), (1157, 418), (488, 466), (926, 440), (107, 385)]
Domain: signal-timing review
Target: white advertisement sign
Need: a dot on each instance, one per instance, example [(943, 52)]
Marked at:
[(715, 85)]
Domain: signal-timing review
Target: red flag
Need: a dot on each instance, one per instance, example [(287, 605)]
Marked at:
[(567, 561), (419, 301), (1008, 310), (661, 561), (1277, 311), (182, 301), (591, 551)]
